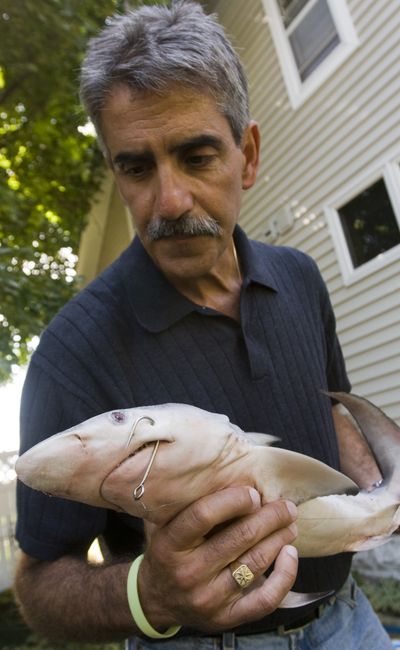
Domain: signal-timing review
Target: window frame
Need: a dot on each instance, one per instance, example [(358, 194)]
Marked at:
[(390, 174), (299, 91)]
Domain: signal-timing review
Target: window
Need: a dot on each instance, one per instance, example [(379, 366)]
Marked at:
[(312, 39), (366, 225), (369, 224)]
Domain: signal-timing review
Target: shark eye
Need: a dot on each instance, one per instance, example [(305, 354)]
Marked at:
[(118, 416)]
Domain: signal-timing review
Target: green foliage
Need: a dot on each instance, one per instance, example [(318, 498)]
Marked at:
[(383, 593), (49, 171)]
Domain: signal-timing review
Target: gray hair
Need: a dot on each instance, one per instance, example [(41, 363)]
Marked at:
[(152, 46)]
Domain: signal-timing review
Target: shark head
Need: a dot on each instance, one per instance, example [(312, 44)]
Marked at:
[(102, 460), (76, 461)]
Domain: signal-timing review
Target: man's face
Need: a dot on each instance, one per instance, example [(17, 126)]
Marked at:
[(174, 157)]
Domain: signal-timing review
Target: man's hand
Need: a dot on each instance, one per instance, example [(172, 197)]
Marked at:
[(185, 577)]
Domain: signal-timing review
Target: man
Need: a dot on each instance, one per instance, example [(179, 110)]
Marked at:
[(192, 312)]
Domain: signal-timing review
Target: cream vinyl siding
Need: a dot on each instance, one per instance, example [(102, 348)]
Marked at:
[(108, 232), (313, 154)]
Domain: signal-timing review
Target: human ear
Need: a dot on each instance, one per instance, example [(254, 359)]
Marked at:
[(251, 154)]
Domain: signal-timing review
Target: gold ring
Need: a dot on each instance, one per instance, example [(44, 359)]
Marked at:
[(243, 576)]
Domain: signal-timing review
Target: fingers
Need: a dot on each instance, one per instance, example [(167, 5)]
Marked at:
[(254, 536), (260, 557), (186, 575), (175, 569), (265, 598), (261, 552), (272, 525), (190, 527)]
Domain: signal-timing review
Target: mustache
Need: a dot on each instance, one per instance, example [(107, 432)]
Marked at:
[(188, 224)]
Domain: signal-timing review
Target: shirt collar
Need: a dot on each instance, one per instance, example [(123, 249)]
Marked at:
[(253, 256), (158, 305)]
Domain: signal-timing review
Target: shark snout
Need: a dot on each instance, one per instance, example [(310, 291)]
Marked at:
[(47, 466)]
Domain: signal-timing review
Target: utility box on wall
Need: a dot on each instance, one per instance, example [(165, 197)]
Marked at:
[(280, 223)]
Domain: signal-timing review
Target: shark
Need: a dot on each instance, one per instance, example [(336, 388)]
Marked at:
[(153, 461)]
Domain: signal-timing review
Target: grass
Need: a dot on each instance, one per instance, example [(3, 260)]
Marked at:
[(384, 596)]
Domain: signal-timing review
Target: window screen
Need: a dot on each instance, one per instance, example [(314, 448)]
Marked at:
[(313, 38)]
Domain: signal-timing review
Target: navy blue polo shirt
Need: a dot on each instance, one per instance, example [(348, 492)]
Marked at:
[(131, 339)]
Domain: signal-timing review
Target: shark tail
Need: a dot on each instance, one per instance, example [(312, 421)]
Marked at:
[(380, 431)]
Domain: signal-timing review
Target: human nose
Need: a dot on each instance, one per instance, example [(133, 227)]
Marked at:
[(174, 197)]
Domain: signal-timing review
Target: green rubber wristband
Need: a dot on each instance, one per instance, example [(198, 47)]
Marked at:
[(136, 608)]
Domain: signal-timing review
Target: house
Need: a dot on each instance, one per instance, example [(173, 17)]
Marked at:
[(324, 80)]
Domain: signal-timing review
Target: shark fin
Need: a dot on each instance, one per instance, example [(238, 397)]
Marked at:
[(297, 599), (290, 475), (262, 439), (371, 542)]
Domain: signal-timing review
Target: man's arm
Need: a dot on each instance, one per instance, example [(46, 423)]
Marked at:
[(356, 458), (184, 578), (70, 599)]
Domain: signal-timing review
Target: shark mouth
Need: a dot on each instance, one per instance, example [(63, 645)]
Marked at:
[(139, 489), (137, 451)]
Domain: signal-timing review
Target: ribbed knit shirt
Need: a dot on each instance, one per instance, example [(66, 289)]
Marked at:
[(131, 339)]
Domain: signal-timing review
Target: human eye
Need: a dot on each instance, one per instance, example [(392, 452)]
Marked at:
[(201, 159), (135, 169)]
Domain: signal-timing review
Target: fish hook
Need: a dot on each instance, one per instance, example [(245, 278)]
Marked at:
[(139, 490), (136, 422)]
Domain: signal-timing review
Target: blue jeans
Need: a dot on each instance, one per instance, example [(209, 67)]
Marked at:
[(348, 624)]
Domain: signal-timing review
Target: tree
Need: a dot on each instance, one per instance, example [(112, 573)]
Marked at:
[(49, 170)]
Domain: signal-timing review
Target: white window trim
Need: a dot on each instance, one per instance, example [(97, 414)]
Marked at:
[(299, 90), (390, 173)]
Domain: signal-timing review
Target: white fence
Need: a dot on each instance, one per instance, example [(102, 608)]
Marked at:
[(8, 545)]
